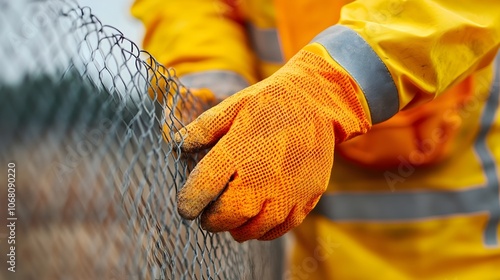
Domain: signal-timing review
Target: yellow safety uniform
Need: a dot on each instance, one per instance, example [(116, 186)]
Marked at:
[(417, 197)]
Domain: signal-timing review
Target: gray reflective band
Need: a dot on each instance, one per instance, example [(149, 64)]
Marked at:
[(487, 159), (266, 43), (222, 83), (399, 206), (352, 52), (403, 205)]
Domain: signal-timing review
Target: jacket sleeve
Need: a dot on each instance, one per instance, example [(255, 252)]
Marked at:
[(196, 35), (403, 53)]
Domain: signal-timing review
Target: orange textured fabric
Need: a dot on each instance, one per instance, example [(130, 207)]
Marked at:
[(274, 145)]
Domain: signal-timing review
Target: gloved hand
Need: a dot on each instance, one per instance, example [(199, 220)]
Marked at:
[(274, 145)]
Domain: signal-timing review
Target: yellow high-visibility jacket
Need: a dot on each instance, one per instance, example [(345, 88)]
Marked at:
[(418, 196)]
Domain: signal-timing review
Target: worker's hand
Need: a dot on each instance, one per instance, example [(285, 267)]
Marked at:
[(273, 153)]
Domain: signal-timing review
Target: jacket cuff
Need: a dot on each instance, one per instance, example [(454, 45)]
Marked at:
[(358, 58)]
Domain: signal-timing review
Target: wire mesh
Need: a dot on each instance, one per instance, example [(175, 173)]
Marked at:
[(81, 116)]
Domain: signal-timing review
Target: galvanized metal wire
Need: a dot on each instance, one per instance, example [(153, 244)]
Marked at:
[(85, 115)]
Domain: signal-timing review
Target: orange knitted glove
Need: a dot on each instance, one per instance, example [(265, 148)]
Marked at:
[(274, 144)]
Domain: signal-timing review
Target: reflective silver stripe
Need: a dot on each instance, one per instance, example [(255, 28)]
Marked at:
[(402, 205), (487, 159), (430, 204), (266, 43), (352, 52), (222, 83)]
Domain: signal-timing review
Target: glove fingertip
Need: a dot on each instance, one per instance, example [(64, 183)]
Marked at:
[(185, 213), (180, 136), (190, 142), (185, 207)]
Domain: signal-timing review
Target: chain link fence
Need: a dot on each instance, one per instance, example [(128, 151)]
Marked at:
[(85, 118)]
